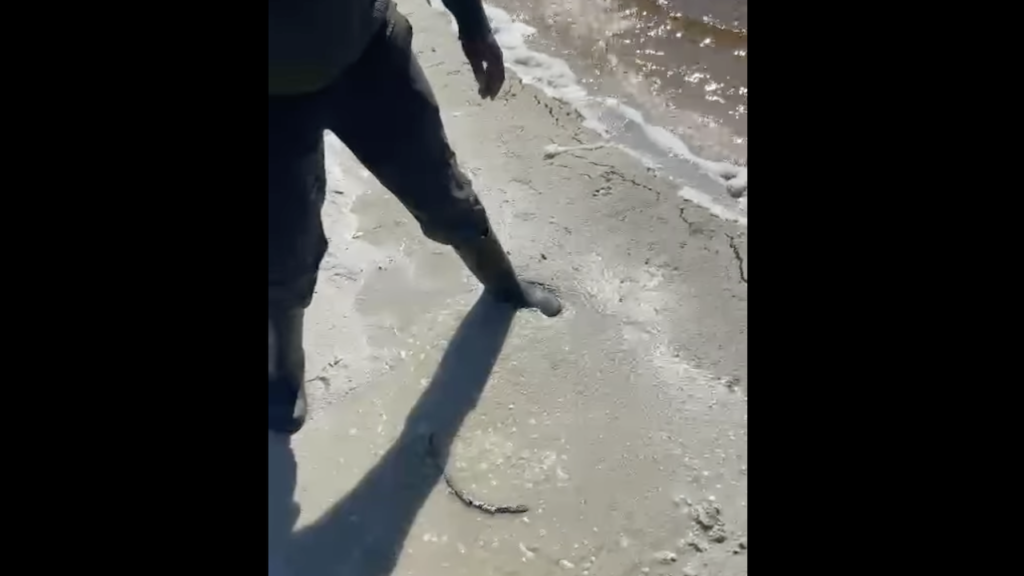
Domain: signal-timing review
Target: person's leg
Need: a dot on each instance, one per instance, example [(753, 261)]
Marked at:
[(384, 110), (296, 246)]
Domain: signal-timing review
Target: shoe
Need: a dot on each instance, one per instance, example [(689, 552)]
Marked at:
[(286, 371), (487, 260)]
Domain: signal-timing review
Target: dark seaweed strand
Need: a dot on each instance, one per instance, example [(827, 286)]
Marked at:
[(467, 500)]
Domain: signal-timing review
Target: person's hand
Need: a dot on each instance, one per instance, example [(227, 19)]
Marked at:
[(488, 65)]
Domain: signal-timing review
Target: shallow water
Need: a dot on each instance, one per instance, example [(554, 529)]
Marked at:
[(682, 62)]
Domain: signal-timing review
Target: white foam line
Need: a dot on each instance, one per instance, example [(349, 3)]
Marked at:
[(706, 201), (733, 177)]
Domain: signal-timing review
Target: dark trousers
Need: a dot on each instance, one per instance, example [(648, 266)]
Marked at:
[(382, 108)]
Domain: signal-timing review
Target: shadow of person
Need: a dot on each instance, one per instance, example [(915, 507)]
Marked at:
[(363, 534)]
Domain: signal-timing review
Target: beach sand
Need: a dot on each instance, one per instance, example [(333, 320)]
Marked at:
[(621, 423)]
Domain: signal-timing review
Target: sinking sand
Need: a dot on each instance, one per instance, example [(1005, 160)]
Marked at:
[(621, 424)]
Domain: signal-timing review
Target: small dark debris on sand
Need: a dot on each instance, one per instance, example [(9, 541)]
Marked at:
[(707, 514), (717, 534)]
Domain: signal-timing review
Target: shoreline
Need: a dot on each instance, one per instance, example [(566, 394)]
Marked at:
[(614, 422), (686, 73), (718, 184)]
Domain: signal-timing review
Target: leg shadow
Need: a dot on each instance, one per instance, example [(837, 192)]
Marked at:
[(282, 510), (363, 534)]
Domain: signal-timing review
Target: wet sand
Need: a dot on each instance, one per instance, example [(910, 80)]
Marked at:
[(621, 424)]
